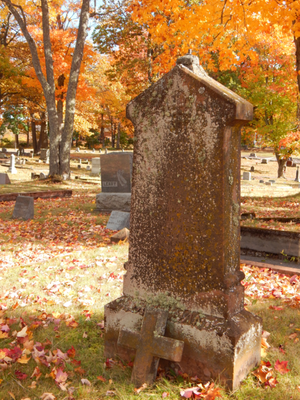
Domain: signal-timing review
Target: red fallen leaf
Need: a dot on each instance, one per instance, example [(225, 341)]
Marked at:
[(278, 308), (80, 371), (75, 362), (71, 352), (281, 367), (109, 363), (15, 353), (272, 382), (266, 363), (101, 378), (20, 375)]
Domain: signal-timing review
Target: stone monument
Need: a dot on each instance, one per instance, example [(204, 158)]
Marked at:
[(12, 168), (184, 252)]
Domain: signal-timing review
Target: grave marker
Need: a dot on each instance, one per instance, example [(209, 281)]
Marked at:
[(184, 252), (118, 220), (4, 179), (12, 168), (24, 208), (247, 176)]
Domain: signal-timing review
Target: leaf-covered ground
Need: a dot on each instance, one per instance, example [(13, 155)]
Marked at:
[(57, 273)]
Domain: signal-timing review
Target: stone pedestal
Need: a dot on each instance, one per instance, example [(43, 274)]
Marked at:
[(184, 253), (214, 348), (107, 202)]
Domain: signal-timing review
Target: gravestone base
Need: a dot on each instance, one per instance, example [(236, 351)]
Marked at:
[(107, 202), (214, 348)]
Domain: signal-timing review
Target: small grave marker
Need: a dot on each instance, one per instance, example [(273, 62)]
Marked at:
[(150, 345), (118, 220), (252, 169), (264, 161), (24, 208), (4, 179), (247, 176)]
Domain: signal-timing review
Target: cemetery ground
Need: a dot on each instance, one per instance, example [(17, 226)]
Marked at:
[(60, 269)]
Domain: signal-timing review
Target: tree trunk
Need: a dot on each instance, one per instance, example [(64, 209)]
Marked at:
[(43, 140), (297, 47), (67, 133), (281, 166), (16, 141), (60, 144), (118, 136), (33, 133)]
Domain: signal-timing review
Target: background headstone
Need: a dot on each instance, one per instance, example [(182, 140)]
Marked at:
[(118, 220), (247, 176), (4, 179), (95, 166), (184, 251), (116, 171), (24, 208)]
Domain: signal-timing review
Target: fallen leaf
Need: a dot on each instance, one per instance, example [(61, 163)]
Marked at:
[(47, 396), (140, 389), (101, 378), (20, 375), (281, 367), (165, 394), (23, 332), (85, 382), (23, 359)]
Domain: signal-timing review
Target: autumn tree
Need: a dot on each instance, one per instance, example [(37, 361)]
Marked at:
[(28, 15)]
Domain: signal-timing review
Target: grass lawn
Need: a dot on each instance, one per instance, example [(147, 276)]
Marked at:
[(57, 273)]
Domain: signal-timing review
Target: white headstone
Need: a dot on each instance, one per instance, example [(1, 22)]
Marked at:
[(12, 168), (247, 176)]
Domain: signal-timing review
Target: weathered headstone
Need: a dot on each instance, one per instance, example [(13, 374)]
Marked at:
[(184, 252), (4, 150), (45, 154), (106, 151), (252, 169), (264, 161), (118, 220), (77, 150), (252, 155), (24, 208), (261, 181), (4, 179), (95, 166), (247, 176), (12, 168)]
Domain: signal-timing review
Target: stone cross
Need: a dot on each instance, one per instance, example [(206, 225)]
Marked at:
[(184, 245), (150, 345), (12, 168)]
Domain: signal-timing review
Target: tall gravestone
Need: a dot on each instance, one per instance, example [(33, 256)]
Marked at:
[(116, 173), (184, 253)]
